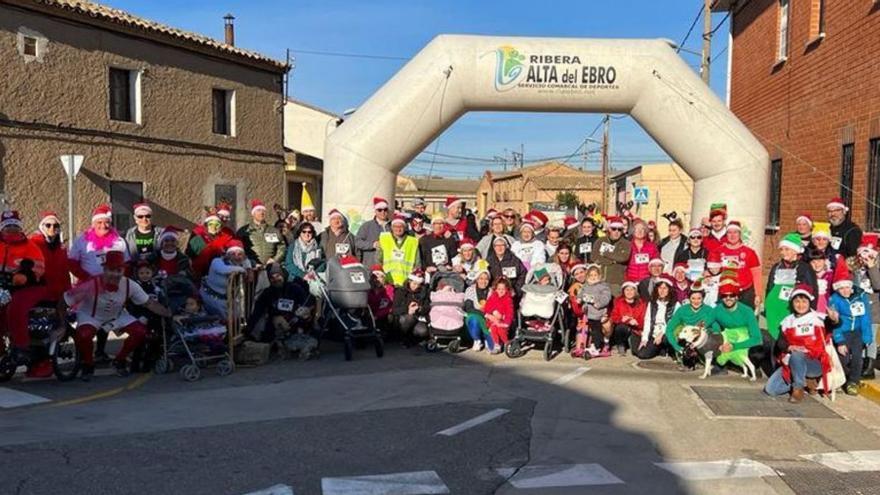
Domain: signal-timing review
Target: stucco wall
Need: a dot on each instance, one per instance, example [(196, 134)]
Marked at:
[(306, 129)]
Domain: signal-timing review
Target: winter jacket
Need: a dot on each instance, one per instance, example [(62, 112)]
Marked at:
[(203, 248), (85, 260), (669, 252), (485, 244), (466, 226), (56, 275), (339, 244), (278, 301), (262, 243), (219, 273), (381, 300), (657, 313), (298, 257), (646, 287), (621, 308), (178, 265), (21, 263), (530, 253), (613, 257), (504, 305), (846, 237), (596, 299), (131, 241), (855, 316), (508, 266), (583, 247), (685, 315), (637, 268), (403, 296), (475, 299), (806, 331), (437, 251), (803, 274), (367, 235)]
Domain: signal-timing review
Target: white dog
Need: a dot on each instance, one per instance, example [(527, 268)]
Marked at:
[(695, 341)]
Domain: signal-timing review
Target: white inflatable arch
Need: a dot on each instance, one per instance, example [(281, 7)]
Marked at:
[(643, 78)]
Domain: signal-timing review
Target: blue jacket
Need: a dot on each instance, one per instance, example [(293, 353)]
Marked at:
[(849, 322)]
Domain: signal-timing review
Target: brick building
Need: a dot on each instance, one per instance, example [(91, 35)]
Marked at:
[(171, 116), (523, 188), (805, 78)]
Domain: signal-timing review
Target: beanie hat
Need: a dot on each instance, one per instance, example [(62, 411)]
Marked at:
[(10, 218), (792, 240), (821, 230)]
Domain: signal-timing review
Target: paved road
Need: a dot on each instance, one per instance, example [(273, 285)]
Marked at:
[(371, 426)]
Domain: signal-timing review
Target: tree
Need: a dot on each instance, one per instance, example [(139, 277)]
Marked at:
[(567, 199)]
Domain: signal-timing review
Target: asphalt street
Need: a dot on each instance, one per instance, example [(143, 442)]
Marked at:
[(414, 422)]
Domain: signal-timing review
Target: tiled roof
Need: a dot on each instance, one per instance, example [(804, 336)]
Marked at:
[(437, 185), (121, 18), (556, 167)]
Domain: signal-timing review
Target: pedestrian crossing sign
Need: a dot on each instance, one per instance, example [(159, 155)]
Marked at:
[(640, 195)]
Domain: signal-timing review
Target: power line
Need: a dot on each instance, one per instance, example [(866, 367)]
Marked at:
[(716, 28), (690, 30)]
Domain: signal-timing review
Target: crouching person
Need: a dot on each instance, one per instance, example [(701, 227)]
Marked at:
[(100, 303), (802, 349), (628, 318), (411, 309)]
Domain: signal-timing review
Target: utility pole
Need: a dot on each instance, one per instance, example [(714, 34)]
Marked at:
[(522, 154), (607, 125), (707, 40)]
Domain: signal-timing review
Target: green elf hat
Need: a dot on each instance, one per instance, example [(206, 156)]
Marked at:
[(792, 240)]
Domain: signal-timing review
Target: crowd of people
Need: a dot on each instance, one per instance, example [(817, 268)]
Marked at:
[(625, 287)]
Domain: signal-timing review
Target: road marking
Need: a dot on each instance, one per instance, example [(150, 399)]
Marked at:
[(559, 475), (848, 462), (274, 490), (137, 382), (415, 483), (467, 425), (10, 398), (716, 470), (562, 380)]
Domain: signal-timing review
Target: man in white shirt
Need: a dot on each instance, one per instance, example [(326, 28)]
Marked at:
[(100, 303)]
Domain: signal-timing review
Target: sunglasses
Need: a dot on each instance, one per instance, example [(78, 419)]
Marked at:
[(310, 232), (695, 237), (381, 209), (52, 225), (144, 216), (615, 229)]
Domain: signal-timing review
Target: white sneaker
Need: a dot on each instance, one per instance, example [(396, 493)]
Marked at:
[(477, 347)]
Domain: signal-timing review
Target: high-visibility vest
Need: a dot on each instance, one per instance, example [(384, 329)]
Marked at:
[(398, 261)]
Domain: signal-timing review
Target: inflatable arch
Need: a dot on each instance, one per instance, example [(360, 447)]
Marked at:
[(643, 78)]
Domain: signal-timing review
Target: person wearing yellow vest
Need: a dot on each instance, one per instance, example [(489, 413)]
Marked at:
[(398, 251)]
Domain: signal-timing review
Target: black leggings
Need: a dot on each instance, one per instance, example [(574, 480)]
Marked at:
[(409, 324), (597, 338), (650, 351)]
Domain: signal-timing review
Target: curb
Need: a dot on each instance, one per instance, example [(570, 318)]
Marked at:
[(870, 390)]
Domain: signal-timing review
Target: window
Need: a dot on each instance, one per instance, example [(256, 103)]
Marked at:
[(847, 160), (873, 215), (30, 46), (227, 193), (782, 42), (223, 106), (775, 192), (821, 17), (125, 95), (123, 196), (817, 21)]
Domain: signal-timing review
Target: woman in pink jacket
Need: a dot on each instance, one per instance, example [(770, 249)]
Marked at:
[(499, 314), (642, 251)]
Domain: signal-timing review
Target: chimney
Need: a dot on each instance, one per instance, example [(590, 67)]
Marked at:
[(230, 29)]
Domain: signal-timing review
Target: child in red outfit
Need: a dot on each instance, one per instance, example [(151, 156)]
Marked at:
[(499, 313), (381, 297)]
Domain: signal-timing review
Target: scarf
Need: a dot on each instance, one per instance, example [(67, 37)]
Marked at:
[(304, 252), (100, 243)]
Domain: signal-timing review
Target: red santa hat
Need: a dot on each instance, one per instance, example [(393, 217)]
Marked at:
[(527, 223), (718, 209), (10, 218), (102, 212), (836, 204), (335, 213), (734, 225), (569, 222), (379, 203), (680, 266), (49, 215), (841, 277), (805, 216), (234, 246), (211, 215), (398, 218), (224, 210), (492, 213), (142, 209), (466, 244), (695, 230), (614, 223), (170, 232), (728, 287), (114, 260), (257, 205), (539, 218), (802, 290), (417, 275), (713, 260), (665, 279), (377, 269), (656, 261), (869, 243), (629, 283), (578, 266), (652, 224), (451, 200)]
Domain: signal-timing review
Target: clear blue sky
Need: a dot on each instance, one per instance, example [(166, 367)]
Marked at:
[(399, 28)]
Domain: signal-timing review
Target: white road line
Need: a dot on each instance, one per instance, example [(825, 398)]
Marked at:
[(716, 470), (467, 425), (10, 398), (415, 483), (559, 475), (274, 490), (562, 380), (848, 462)]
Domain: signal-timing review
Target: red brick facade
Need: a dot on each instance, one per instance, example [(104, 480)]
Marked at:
[(804, 109)]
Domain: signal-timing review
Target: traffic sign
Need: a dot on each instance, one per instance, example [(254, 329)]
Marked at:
[(640, 195), (72, 163)]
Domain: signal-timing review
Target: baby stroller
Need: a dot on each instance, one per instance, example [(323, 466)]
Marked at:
[(446, 317), (46, 343), (540, 316), (343, 287)]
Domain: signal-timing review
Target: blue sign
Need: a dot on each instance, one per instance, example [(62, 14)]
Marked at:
[(640, 195)]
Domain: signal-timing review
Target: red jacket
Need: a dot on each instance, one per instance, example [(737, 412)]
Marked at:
[(637, 269), (503, 305), (637, 311), (213, 248), (57, 276), (13, 253), (808, 332)]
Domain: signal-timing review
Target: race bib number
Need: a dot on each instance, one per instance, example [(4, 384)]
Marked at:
[(642, 258), (438, 255), (509, 271), (785, 276), (585, 248), (527, 252), (285, 305), (803, 330), (357, 277), (606, 248), (785, 293), (857, 308), (397, 254), (342, 248), (695, 268), (561, 297), (271, 237), (835, 243)]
